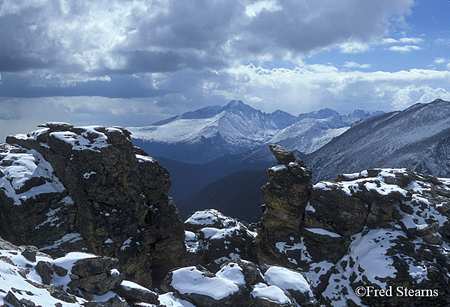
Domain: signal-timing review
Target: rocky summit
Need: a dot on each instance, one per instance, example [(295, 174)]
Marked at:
[(86, 220)]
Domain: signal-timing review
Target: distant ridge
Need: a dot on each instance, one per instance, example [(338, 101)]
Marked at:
[(417, 138)]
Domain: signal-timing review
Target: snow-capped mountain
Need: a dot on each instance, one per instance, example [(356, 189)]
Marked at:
[(310, 134), (212, 132), (416, 138), (209, 133)]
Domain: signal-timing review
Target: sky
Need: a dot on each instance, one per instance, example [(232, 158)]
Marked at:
[(134, 62)]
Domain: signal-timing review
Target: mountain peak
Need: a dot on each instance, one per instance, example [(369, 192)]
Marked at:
[(235, 103), (238, 105), (323, 113)]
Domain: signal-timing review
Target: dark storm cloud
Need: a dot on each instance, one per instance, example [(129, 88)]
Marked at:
[(104, 36)]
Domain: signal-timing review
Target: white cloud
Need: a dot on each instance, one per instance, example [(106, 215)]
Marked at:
[(309, 88), (352, 64), (252, 10), (440, 61), (410, 40), (405, 49), (354, 47)]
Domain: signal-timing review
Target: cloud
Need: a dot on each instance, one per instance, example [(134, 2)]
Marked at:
[(101, 38), (311, 87), (440, 61), (405, 49), (352, 64), (21, 115), (409, 44)]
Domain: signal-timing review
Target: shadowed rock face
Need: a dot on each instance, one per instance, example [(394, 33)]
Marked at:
[(89, 189)]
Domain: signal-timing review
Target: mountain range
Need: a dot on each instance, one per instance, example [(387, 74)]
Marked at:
[(213, 132)]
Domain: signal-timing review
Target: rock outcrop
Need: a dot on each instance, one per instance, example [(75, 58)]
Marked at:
[(68, 188), (286, 197), (77, 279), (212, 239), (382, 229)]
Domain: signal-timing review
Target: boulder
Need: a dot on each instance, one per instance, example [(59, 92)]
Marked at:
[(45, 270), (96, 276), (136, 293)]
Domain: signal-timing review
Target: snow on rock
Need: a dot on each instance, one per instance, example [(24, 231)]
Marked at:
[(117, 192), (323, 232), (169, 300), (191, 280), (232, 272), (20, 280), (291, 282), (25, 174), (212, 239), (209, 217), (271, 292), (31, 278)]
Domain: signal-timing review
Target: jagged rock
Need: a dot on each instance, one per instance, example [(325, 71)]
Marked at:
[(60, 271), (286, 196), (89, 189), (12, 299), (266, 302), (62, 295), (45, 270), (213, 239), (30, 253), (94, 266), (112, 302)]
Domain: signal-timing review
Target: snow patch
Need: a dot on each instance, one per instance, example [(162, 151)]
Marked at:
[(190, 280), (323, 232), (271, 292)]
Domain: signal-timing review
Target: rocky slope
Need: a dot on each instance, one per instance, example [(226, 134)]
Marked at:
[(93, 226)]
